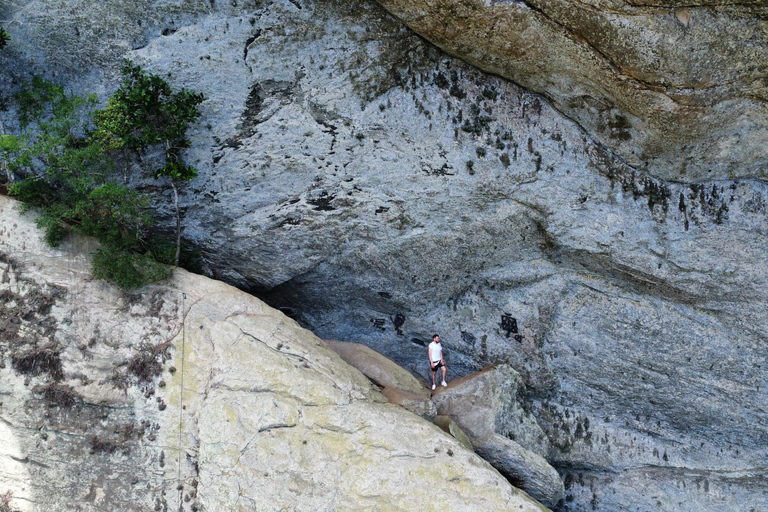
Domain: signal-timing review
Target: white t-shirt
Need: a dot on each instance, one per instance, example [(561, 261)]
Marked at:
[(436, 351)]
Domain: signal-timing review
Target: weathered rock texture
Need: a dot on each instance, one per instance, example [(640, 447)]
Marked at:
[(195, 396), (488, 406), (492, 401), (379, 190), (451, 427), (678, 89)]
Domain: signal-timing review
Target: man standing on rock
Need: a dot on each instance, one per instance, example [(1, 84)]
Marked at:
[(436, 358)]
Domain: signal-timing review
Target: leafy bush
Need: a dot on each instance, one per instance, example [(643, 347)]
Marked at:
[(115, 214), (127, 269), (33, 192)]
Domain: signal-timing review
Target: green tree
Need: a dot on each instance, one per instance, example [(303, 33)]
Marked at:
[(4, 38), (69, 176), (145, 113)]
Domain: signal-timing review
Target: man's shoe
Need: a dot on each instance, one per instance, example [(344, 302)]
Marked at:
[(433, 386), (444, 384)]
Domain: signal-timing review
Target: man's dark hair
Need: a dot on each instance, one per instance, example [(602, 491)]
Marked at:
[(435, 336)]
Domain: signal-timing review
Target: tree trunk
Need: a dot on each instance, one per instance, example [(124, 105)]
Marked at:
[(178, 222), (3, 163)]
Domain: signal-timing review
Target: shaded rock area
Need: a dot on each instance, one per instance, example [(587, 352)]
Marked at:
[(676, 89), (475, 410), (192, 395), (376, 189)]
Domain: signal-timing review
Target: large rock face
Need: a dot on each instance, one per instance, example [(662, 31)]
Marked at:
[(380, 191), (675, 88), (195, 396)]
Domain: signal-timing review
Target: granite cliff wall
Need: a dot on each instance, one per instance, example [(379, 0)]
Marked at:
[(379, 190)]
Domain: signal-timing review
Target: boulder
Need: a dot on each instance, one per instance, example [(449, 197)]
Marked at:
[(492, 401), (382, 370), (399, 385), (523, 468), (488, 405)]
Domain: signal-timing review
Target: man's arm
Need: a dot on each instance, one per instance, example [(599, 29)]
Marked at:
[(431, 364)]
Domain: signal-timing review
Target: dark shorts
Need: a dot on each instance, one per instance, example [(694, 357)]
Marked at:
[(437, 365)]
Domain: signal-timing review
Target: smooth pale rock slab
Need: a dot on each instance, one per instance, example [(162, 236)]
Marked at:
[(326, 462)]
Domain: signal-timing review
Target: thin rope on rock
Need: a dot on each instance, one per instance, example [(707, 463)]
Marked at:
[(180, 485)]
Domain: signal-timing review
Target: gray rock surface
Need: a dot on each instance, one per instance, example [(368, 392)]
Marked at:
[(351, 172), (192, 395), (489, 407), (675, 88), (524, 468), (492, 401)]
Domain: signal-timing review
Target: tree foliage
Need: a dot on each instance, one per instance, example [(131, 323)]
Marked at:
[(67, 154), (145, 112), (4, 38)]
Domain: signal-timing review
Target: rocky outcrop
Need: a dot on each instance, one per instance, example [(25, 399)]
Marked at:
[(192, 395), (489, 407), (376, 189), (524, 468), (675, 89), (484, 404), (493, 401)]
